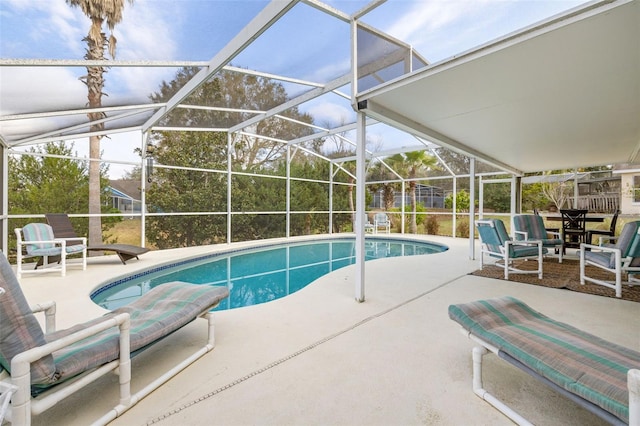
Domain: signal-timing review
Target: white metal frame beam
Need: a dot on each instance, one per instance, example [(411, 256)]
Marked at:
[(400, 122), (263, 21)]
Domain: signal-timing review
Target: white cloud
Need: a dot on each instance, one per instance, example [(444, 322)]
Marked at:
[(425, 17), (39, 89), (330, 113), (148, 31), (440, 29)]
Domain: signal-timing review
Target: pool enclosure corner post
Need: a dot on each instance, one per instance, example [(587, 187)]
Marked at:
[(229, 143), (331, 166), (144, 184), (360, 205), (288, 194), (361, 137)]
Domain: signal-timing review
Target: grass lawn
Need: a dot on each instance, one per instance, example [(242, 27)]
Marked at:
[(126, 232)]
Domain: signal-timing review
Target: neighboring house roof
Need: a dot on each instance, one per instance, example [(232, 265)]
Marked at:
[(126, 188)]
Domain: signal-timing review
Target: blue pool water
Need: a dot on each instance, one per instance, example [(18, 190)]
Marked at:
[(259, 275)]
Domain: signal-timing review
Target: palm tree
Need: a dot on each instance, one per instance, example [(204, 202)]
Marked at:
[(98, 11), (412, 164), (380, 172)]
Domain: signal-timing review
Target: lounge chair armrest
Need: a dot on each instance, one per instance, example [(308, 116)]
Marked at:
[(524, 234), (584, 246), (523, 243), (20, 364), (555, 234), (58, 241), (49, 309), (83, 239), (606, 238)]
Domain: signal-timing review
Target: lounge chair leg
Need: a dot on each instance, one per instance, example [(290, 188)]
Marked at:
[(211, 335), (477, 354)]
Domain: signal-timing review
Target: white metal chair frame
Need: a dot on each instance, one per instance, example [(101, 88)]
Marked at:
[(503, 256), (6, 390), (621, 265), (62, 267), (381, 220), (23, 406), (369, 228)]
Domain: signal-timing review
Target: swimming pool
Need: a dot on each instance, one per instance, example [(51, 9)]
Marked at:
[(259, 275)]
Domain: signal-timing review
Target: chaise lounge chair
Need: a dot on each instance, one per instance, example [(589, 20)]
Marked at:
[(600, 376), (62, 228), (43, 368)]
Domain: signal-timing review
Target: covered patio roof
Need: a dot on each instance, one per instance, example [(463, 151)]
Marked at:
[(560, 94)]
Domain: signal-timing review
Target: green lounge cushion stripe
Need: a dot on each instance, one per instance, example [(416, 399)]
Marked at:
[(533, 225), (579, 362)]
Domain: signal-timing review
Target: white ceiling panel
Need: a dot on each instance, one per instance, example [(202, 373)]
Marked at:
[(562, 94)]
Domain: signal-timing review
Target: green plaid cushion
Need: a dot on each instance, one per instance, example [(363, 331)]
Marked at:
[(19, 328), (583, 364), (158, 313)]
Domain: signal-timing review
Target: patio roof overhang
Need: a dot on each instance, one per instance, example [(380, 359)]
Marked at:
[(561, 94)]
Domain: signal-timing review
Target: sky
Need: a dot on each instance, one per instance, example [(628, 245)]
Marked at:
[(306, 44)]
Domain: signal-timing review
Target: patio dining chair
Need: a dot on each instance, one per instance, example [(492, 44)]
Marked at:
[(531, 227), (620, 258), (381, 221), (369, 228), (497, 243), (37, 240), (43, 367), (573, 227), (609, 233)]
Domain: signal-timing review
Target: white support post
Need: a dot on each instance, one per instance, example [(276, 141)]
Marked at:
[(454, 223), (229, 143), (403, 208), (331, 198), (472, 207), (5, 199), (143, 193), (481, 184), (288, 193), (360, 205), (513, 205)]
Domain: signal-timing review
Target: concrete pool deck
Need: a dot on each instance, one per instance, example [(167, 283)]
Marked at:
[(317, 357)]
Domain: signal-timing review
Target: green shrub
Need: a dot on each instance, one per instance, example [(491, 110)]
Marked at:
[(462, 228), (431, 225), (462, 201)]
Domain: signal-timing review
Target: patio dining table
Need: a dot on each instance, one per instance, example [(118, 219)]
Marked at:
[(575, 240), (586, 219)]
